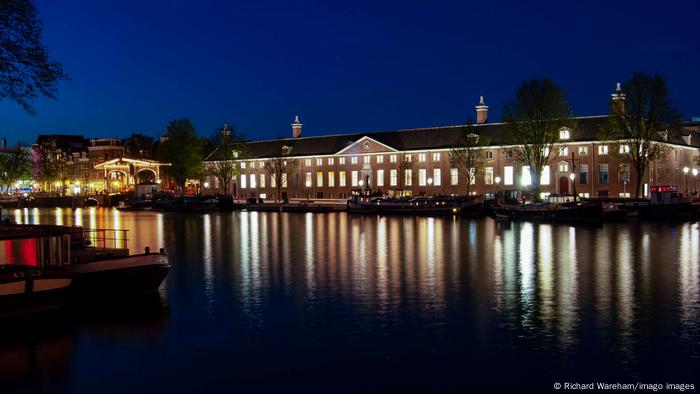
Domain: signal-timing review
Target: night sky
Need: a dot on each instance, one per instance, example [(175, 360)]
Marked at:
[(343, 66)]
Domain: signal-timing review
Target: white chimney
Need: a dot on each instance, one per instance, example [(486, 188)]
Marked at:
[(296, 127)]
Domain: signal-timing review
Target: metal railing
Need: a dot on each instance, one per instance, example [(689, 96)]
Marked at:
[(106, 238)]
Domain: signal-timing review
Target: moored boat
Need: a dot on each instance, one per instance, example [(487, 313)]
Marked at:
[(570, 212), (429, 206), (32, 274), (102, 265)]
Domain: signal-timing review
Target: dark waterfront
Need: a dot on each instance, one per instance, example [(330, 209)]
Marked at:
[(333, 301)]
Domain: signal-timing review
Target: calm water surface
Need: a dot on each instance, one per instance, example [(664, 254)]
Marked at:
[(335, 301)]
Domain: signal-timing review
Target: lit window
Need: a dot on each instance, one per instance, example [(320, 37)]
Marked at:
[(341, 161), (545, 152), (380, 177), (243, 181), (624, 149), (422, 177), (284, 180), (602, 149), (488, 175), (488, 154), (308, 179), (342, 179), (564, 134), (421, 157), (508, 175), (393, 178), (583, 151), (380, 159), (273, 180), (331, 179), (252, 165), (307, 162), (353, 160), (408, 177), (603, 175), (365, 159), (583, 174), (262, 180), (544, 179), (319, 179), (563, 166), (436, 156), (437, 177), (472, 176), (508, 154), (454, 176), (353, 178), (525, 177), (331, 161), (392, 158), (243, 165), (319, 162), (408, 157), (563, 151)]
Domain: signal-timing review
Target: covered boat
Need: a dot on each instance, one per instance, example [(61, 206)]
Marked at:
[(33, 277)]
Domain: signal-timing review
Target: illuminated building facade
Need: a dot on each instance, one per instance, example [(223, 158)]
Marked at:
[(416, 161)]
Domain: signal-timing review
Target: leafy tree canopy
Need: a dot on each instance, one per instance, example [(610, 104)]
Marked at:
[(26, 71)]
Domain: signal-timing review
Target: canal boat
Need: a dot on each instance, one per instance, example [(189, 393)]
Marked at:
[(613, 213), (430, 206), (551, 212), (666, 202), (102, 265), (33, 277)]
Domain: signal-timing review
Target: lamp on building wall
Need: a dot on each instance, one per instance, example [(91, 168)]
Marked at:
[(572, 176), (497, 180), (695, 180), (430, 186), (685, 171)]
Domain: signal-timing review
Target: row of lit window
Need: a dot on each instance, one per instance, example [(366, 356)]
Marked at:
[(564, 151), (249, 180)]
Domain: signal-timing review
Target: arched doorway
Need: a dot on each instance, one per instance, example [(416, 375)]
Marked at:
[(145, 175), (563, 185)]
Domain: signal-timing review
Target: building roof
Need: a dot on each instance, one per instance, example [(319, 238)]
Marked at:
[(422, 139), (65, 142)]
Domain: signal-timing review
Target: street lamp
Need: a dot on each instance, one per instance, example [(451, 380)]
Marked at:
[(685, 171), (572, 176), (430, 184)]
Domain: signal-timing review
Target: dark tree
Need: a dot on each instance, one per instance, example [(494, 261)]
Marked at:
[(182, 148), (639, 122), (139, 146), (26, 71), (51, 166), (467, 156), (279, 167), (534, 118), (15, 164), (222, 161)]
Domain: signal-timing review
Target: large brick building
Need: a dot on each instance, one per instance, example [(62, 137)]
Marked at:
[(331, 166)]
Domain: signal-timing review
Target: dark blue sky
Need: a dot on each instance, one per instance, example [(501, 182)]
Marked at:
[(343, 66)]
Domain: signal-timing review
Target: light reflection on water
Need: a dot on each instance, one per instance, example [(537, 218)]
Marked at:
[(517, 296)]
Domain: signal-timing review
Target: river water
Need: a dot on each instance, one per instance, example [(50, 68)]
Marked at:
[(335, 302)]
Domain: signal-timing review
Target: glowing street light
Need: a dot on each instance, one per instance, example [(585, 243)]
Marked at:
[(430, 184), (685, 171)]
